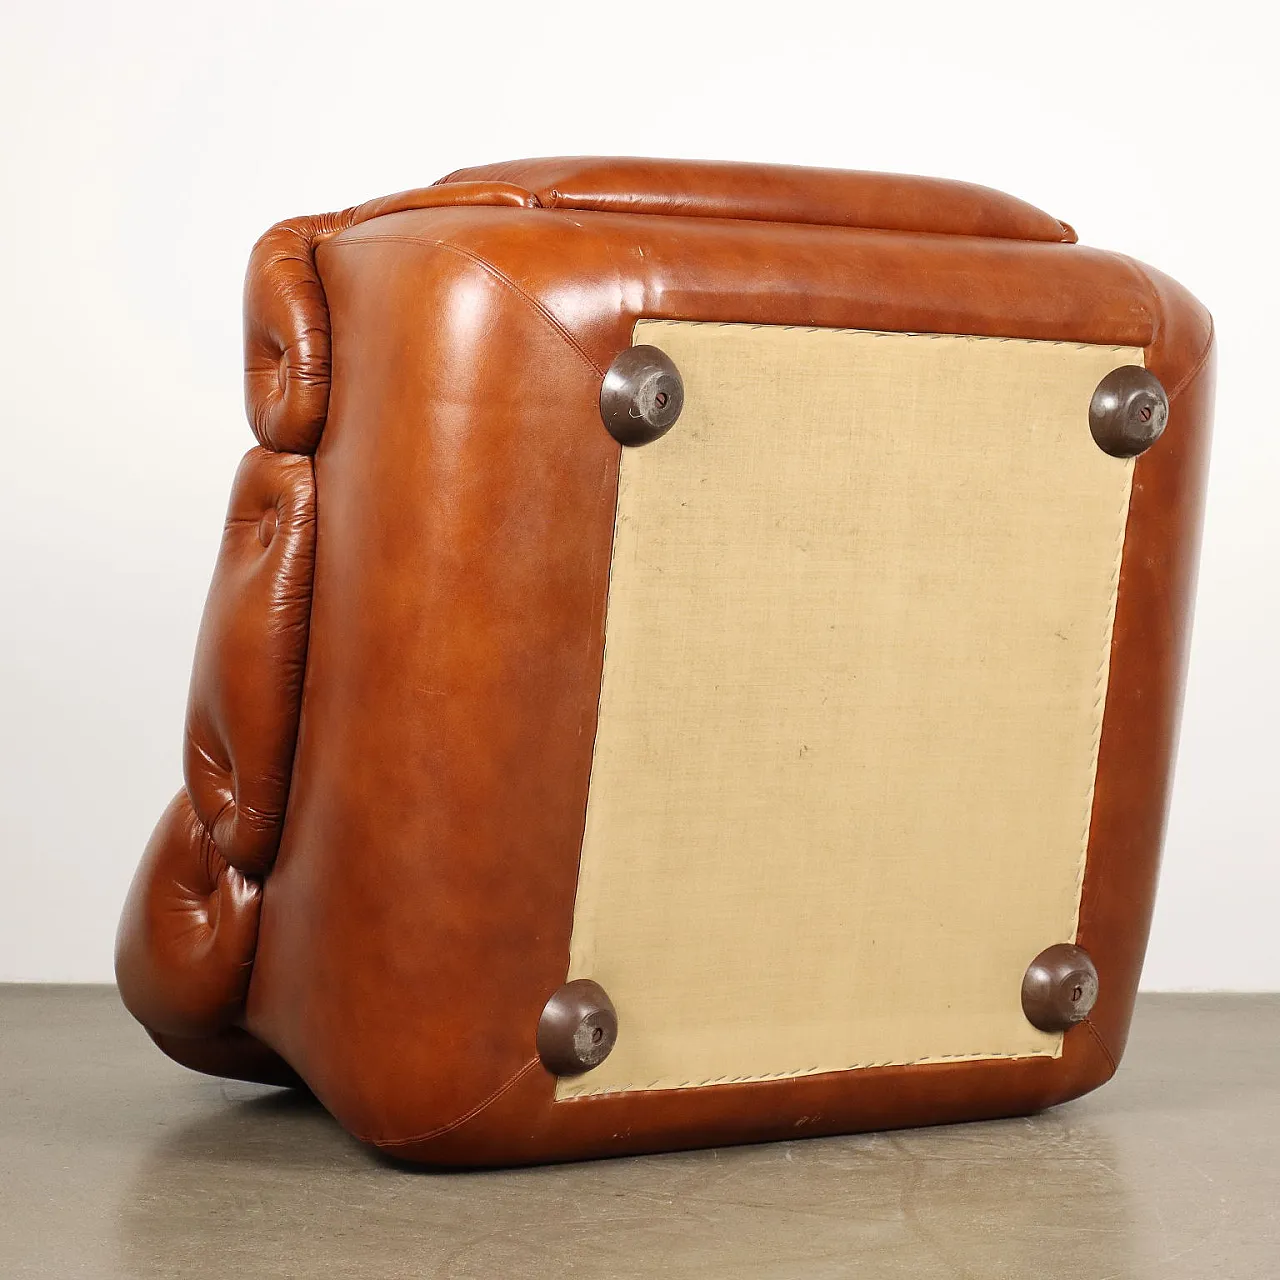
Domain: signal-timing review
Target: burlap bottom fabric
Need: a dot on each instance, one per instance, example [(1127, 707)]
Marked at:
[(856, 657)]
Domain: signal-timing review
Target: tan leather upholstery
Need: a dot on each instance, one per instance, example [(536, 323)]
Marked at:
[(774, 193), (286, 324), (190, 928), (370, 878)]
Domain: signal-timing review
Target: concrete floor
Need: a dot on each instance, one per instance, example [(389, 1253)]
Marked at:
[(115, 1162)]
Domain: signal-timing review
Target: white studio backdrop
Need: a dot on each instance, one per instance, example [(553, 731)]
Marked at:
[(145, 145)]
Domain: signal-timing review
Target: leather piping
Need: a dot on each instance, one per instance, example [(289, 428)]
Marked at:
[(1102, 1045), (539, 308), (440, 1130)]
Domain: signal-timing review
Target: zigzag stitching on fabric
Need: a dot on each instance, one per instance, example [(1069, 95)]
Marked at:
[(939, 1060), (1100, 687)]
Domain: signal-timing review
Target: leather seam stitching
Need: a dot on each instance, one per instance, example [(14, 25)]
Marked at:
[(440, 1130), (1102, 689), (1201, 360), (1153, 299), (588, 959), (1102, 1044), (539, 308)]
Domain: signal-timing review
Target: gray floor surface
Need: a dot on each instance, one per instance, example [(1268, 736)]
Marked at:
[(114, 1162)]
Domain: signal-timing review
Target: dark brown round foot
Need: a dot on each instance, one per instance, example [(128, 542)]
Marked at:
[(641, 395), (1060, 987), (578, 1028), (1128, 411)]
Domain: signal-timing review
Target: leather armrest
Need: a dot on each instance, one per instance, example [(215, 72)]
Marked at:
[(774, 193)]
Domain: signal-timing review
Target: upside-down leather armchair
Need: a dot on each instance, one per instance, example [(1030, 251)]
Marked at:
[(694, 657)]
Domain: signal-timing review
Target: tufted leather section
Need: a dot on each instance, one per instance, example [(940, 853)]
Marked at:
[(286, 320), (246, 684), (286, 338), (184, 949)]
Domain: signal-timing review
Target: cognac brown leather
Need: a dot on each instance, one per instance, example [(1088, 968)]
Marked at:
[(191, 919), (444, 365), (774, 193), (286, 325)]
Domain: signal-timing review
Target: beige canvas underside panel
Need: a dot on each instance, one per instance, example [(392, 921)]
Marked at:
[(858, 634)]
